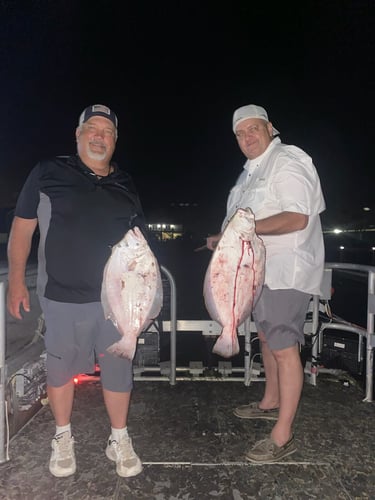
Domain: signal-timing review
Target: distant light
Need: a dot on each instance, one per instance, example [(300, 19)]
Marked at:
[(373, 249), (342, 248), (366, 209), (337, 231)]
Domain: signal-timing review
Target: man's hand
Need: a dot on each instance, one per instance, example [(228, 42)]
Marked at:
[(18, 296), (212, 241)]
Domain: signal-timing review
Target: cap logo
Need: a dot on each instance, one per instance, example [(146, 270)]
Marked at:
[(99, 108)]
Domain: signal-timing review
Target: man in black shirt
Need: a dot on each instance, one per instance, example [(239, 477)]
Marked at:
[(82, 205)]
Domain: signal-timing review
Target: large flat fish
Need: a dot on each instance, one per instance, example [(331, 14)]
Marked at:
[(234, 279), (132, 291)]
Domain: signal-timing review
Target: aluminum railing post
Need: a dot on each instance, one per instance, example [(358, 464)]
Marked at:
[(370, 338), (173, 333), (2, 372)]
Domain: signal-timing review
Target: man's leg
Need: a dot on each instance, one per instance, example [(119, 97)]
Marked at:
[(281, 442), (117, 384), (62, 462), (290, 385), (281, 316), (271, 397), (267, 408), (117, 405), (60, 344), (120, 447), (61, 402)]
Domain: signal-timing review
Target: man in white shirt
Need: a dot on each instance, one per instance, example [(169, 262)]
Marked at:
[(281, 186)]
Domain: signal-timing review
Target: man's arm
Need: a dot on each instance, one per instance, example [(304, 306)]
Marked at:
[(282, 223), (19, 247)]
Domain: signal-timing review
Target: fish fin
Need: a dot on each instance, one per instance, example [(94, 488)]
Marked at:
[(227, 344), (124, 348)]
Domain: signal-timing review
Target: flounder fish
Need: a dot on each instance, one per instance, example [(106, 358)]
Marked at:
[(234, 279), (132, 291)]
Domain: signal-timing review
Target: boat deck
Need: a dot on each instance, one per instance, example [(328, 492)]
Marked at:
[(192, 446)]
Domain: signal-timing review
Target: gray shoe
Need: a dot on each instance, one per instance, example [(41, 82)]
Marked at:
[(253, 411), (266, 451), (127, 461), (62, 462)]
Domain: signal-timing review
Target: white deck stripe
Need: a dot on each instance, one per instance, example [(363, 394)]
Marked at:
[(232, 464)]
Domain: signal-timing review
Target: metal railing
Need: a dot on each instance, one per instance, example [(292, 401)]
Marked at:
[(368, 332), (246, 329)]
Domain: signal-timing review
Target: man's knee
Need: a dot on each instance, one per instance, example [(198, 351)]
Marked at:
[(286, 354), (262, 337)]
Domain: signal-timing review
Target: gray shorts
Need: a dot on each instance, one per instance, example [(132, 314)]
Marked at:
[(76, 336), (280, 315)]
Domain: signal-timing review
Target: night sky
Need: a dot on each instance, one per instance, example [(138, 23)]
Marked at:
[(174, 72)]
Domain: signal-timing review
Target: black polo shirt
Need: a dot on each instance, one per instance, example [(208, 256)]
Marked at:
[(80, 218)]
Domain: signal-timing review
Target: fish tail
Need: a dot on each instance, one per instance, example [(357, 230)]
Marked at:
[(227, 344), (124, 348)]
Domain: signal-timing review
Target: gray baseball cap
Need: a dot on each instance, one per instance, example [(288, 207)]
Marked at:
[(251, 111), (98, 110)]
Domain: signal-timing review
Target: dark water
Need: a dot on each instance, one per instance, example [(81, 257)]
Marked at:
[(188, 269), (349, 299)]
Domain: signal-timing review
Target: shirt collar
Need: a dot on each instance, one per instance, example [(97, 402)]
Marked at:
[(76, 160), (251, 165)]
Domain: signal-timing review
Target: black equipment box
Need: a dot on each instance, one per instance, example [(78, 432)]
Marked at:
[(148, 349), (341, 350)]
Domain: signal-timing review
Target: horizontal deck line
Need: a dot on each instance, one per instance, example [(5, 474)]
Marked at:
[(197, 378), (233, 464)]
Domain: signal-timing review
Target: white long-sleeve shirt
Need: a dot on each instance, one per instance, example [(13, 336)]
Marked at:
[(284, 178)]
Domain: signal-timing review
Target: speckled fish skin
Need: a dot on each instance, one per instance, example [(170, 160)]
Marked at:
[(234, 279), (132, 292)]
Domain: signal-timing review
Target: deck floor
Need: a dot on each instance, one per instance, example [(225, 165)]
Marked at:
[(192, 446)]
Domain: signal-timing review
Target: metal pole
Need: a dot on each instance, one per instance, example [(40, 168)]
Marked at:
[(315, 340), (370, 337), (247, 351), (172, 284), (2, 372)]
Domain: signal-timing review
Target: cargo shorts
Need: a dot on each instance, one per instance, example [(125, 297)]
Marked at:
[(280, 315), (76, 337)]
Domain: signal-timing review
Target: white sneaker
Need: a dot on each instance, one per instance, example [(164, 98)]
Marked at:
[(63, 461), (127, 462)]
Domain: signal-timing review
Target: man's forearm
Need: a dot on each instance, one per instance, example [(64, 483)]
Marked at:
[(19, 247), (282, 223)]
